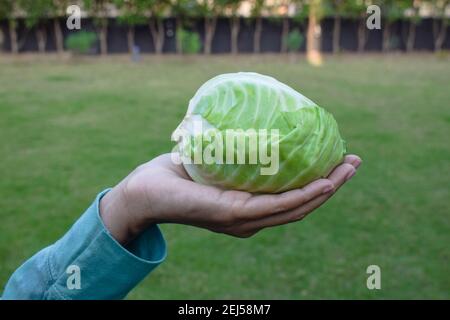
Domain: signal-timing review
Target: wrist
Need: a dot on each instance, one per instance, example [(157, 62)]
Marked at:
[(119, 216)]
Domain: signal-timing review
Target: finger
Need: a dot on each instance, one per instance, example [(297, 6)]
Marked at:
[(339, 176), (289, 216), (353, 159), (259, 206)]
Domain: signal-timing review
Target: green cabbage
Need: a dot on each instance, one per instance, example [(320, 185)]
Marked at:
[(308, 144)]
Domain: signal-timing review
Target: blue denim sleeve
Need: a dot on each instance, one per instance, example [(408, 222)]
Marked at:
[(87, 263)]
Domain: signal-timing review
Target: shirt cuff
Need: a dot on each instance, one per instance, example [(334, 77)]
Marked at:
[(106, 269)]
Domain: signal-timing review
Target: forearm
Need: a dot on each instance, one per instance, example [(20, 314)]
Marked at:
[(107, 270)]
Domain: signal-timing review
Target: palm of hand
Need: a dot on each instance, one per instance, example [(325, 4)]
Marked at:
[(162, 192)]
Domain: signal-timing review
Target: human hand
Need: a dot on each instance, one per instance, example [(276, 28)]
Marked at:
[(160, 191)]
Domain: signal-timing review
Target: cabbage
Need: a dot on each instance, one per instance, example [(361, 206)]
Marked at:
[(300, 136)]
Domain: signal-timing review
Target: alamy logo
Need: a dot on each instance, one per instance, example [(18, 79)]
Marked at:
[(74, 20), (74, 280), (374, 280), (374, 20)]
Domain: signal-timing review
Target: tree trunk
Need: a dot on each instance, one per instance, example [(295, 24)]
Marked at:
[(313, 35), (2, 39), (130, 38), (284, 35), (104, 37), (210, 29), (13, 36), (361, 35), (157, 30), (439, 33), (161, 35), (41, 37), (179, 27), (257, 35), (59, 38), (235, 26), (386, 36), (336, 34), (411, 36)]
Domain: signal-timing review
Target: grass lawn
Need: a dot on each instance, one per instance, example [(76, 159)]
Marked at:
[(69, 130)]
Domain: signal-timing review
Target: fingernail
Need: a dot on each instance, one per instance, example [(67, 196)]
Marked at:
[(327, 189), (357, 163), (350, 175)]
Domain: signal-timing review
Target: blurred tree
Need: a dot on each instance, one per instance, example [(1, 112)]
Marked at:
[(58, 10), (357, 10), (440, 22), (294, 40), (10, 9), (81, 42), (37, 12), (413, 18), (190, 41), (392, 11), (132, 13), (184, 10), (298, 11), (281, 9), (158, 9), (210, 11), (2, 37), (336, 9), (231, 7), (258, 7), (6, 12), (99, 11), (314, 38)]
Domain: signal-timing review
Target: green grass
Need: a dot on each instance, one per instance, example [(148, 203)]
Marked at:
[(68, 130)]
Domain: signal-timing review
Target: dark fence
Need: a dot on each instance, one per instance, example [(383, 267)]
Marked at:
[(270, 41)]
